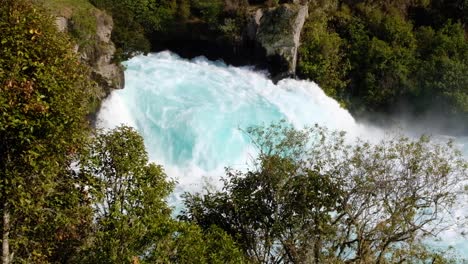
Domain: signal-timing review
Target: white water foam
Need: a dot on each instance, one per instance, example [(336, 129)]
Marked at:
[(191, 113)]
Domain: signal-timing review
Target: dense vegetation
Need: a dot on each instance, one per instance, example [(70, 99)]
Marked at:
[(381, 55), (131, 217), (311, 198), (82, 26), (43, 101), (69, 194)]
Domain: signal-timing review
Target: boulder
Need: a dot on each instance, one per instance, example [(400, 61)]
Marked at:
[(107, 73), (276, 32)]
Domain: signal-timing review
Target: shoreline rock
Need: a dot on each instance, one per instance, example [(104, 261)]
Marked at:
[(98, 51)]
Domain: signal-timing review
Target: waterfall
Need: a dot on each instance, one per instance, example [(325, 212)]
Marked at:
[(191, 114)]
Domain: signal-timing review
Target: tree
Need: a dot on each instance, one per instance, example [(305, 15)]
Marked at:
[(133, 220), (321, 56), (375, 55), (190, 244), (131, 208), (441, 79), (312, 198), (44, 97)]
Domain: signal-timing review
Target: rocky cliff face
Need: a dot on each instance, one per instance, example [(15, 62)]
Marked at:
[(276, 32), (96, 50), (269, 38)]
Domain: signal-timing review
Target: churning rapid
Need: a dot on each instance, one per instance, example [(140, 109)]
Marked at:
[(191, 115)]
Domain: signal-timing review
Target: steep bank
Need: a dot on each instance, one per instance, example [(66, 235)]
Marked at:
[(267, 37), (91, 30)]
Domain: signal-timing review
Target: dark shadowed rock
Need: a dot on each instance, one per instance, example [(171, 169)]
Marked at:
[(269, 38), (278, 34)]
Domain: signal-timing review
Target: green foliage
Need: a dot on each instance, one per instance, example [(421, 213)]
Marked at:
[(132, 21), (389, 58), (208, 10), (442, 78), (381, 51), (137, 23), (43, 100), (311, 198), (374, 55), (183, 11), (133, 220), (132, 206), (321, 58), (190, 244), (82, 26)]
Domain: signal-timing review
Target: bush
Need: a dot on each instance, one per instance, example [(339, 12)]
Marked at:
[(44, 96)]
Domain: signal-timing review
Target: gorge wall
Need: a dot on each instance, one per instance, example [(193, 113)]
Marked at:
[(269, 38), (350, 65), (94, 46)]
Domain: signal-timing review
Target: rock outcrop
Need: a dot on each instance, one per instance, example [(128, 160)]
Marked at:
[(269, 38), (96, 50), (276, 31)]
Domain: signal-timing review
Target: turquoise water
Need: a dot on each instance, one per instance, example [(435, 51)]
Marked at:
[(191, 115)]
